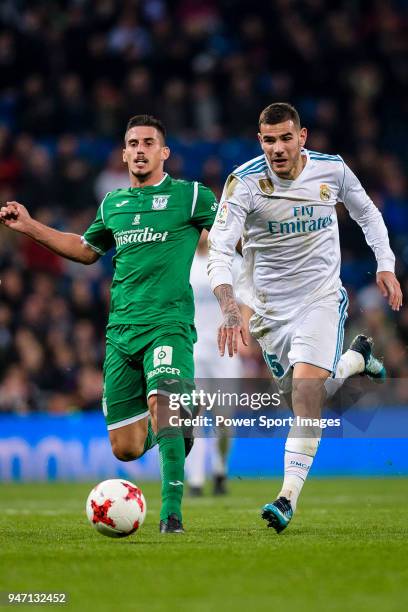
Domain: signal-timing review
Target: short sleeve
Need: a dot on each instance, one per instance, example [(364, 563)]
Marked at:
[(204, 207), (97, 236)]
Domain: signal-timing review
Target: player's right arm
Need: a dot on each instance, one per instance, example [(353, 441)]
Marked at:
[(16, 217), (222, 240)]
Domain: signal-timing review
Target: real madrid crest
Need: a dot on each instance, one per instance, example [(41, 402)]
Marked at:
[(325, 192), (266, 186)]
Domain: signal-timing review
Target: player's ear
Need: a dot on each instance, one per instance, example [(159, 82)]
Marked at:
[(260, 138), (165, 153), (124, 156), (303, 136)]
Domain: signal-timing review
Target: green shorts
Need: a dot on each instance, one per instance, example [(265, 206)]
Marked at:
[(139, 361)]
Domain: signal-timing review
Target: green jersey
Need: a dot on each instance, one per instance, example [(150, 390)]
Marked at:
[(155, 231)]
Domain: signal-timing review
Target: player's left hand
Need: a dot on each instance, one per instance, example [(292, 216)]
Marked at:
[(390, 288)]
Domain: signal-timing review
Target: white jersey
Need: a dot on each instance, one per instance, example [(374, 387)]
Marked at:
[(290, 233), (207, 311), (208, 362)]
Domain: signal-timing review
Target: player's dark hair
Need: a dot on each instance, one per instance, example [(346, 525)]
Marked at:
[(148, 120), (278, 113)]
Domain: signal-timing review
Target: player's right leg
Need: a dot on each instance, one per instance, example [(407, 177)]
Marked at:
[(314, 338), (219, 461), (275, 340), (196, 462), (124, 404), (195, 466), (128, 442)]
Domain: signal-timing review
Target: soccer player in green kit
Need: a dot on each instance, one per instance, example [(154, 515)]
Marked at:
[(155, 226)]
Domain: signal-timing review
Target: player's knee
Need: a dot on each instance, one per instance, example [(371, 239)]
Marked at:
[(152, 405), (308, 396), (125, 452)]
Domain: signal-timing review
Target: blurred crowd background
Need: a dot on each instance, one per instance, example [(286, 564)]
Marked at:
[(74, 71)]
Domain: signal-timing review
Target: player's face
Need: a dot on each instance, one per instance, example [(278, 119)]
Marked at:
[(145, 152), (282, 144)]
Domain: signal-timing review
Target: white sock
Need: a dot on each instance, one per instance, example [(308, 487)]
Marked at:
[(299, 455), (350, 363), (219, 455), (195, 463)]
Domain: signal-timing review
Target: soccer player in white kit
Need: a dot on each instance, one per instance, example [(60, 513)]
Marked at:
[(208, 364), (282, 203)]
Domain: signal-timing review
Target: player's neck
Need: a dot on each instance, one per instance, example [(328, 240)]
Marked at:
[(147, 181), (299, 166)]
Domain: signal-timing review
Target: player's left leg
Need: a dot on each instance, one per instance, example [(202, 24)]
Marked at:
[(172, 457), (169, 371), (358, 359), (124, 399)]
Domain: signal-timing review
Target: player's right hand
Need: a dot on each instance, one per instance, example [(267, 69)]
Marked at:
[(230, 330), (15, 216)]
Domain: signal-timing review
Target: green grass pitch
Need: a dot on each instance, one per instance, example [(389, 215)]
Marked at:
[(346, 549)]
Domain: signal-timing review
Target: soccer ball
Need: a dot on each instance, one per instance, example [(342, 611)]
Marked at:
[(116, 508)]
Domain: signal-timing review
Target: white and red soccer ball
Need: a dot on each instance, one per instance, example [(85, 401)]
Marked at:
[(116, 508)]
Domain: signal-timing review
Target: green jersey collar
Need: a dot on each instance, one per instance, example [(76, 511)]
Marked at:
[(166, 178)]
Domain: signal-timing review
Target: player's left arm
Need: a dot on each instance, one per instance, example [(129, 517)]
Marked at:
[(363, 210)]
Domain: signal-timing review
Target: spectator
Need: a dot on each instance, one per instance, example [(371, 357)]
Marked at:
[(113, 176), (74, 72)]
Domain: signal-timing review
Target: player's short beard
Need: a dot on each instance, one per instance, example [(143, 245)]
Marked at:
[(283, 174), (142, 178)]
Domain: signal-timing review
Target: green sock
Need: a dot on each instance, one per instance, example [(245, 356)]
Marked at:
[(172, 458), (151, 439)]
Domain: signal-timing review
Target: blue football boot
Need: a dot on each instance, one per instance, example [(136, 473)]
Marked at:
[(278, 514), (374, 368)]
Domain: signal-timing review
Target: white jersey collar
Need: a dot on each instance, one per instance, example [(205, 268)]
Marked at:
[(165, 175)]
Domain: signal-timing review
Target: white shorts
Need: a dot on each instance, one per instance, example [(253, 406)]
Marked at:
[(209, 364), (314, 336)]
